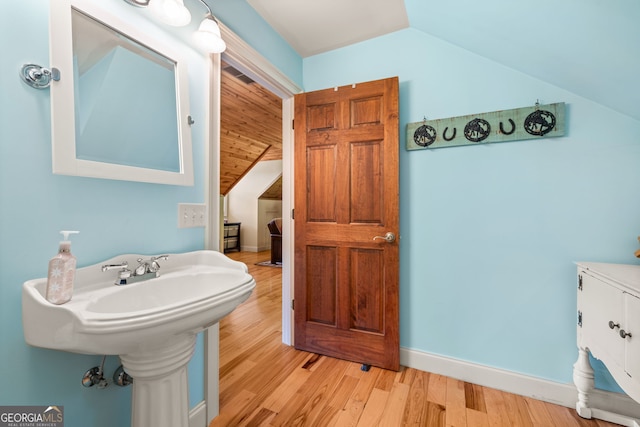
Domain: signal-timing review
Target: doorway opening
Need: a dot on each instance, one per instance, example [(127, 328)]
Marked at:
[(267, 79), (251, 64)]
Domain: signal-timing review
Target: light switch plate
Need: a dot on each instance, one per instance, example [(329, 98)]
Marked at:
[(192, 215)]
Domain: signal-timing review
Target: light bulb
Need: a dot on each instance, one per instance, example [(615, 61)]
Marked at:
[(208, 36), (171, 12)]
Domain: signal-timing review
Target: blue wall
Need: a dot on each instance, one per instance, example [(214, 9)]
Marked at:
[(113, 216), (244, 21), (490, 233)]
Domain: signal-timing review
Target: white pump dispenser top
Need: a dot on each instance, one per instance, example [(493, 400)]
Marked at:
[(65, 244), (65, 233)]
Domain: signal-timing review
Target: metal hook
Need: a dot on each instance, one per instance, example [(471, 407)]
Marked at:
[(444, 134), (38, 77), (513, 128)]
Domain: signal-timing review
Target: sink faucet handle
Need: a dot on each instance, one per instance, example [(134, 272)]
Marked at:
[(143, 267), (124, 265), (154, 266)]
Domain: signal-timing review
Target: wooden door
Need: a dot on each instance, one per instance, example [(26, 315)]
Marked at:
[(346, 194)]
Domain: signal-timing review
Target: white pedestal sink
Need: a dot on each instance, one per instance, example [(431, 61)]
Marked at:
[(151, 325)]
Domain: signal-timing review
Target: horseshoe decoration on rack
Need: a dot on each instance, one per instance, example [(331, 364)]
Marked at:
[(513, 128), (517, 124), (444, 134)]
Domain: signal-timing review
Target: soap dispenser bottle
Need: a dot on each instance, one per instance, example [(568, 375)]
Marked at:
[(62, 271)]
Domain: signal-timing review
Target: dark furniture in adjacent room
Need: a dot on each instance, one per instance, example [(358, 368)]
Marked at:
[(275, 228), (232, 236)]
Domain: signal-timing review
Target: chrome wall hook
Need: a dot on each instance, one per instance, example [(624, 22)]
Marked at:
[(38, 77)]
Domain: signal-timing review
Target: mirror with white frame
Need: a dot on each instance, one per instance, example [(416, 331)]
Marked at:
[(120, 109)]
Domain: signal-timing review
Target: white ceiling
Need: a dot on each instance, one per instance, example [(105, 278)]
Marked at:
[(588, 47), (316, 26)]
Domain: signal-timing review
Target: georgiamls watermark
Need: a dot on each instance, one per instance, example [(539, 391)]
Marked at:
[(31, 416)]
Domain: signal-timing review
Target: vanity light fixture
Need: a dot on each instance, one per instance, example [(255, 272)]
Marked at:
[(171, 12), (175, 13), (138, 3), (208, 35)]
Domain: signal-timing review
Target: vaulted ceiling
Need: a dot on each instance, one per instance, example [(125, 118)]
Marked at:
[(313, 27), (250, 126), (588, 47)]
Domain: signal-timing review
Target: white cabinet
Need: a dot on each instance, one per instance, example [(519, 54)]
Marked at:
[(632, 346), (609, 329)]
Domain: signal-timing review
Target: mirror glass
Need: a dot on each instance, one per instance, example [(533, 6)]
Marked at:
[(119, 109), (108, 67)]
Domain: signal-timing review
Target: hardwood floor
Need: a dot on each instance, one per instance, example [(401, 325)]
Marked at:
[(266, 383)]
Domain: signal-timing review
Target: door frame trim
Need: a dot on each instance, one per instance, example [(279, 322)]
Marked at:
[(242, 56)]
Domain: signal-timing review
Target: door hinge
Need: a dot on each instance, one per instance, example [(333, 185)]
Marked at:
[(293, 304), (293, 214), (293, 124), (579, 282), (579, 318)]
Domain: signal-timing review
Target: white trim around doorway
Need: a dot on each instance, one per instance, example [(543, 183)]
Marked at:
[(242, 56)]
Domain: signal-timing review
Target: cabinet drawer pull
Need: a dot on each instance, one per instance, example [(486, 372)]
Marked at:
[(613, 325), (624, 334)]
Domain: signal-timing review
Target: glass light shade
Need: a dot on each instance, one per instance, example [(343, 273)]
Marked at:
[(171, 12), (138, 3), (208, 36)]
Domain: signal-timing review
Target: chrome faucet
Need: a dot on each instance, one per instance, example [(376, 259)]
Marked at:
[(146, 269)]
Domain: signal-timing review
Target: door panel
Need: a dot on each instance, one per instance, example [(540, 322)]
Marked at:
[(602, 302), (366, 178), (321, 271), (321, 183), (366, 111), (321, 117), (346, 193), (632, 342), (365, 297)]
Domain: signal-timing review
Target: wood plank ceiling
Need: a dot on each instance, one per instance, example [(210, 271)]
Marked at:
[(250, 126)]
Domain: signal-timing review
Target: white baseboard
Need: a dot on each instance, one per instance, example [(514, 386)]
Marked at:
[(198, 415), (512, 382)]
